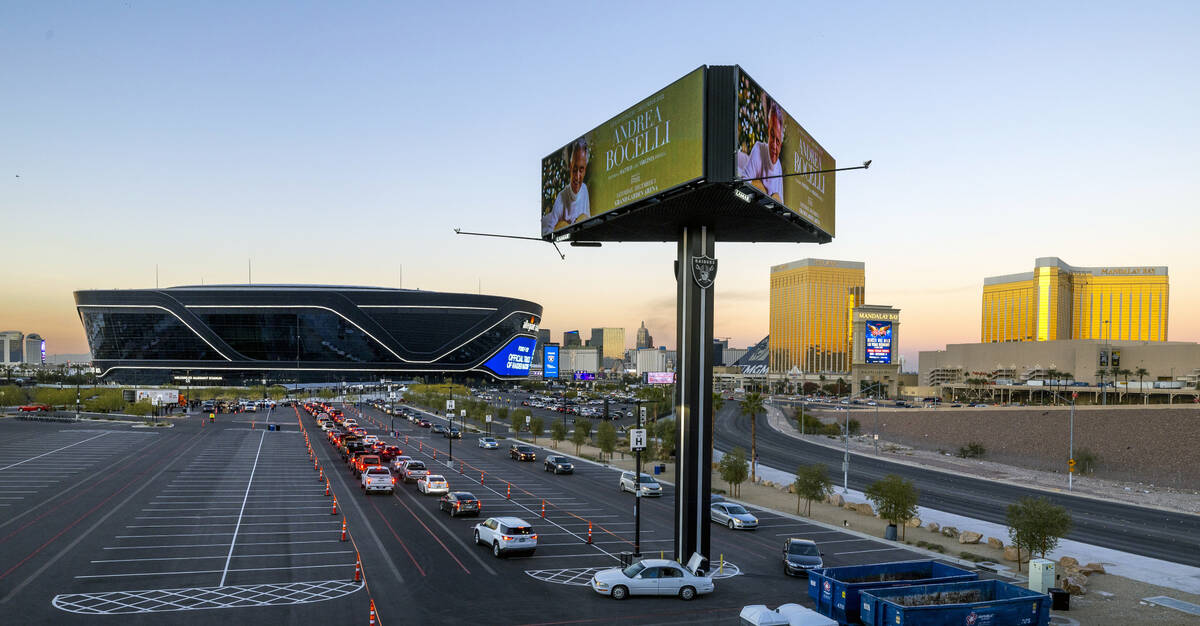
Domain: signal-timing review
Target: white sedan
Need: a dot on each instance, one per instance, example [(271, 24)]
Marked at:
[(732, 515), (651, 577), (433, 484)]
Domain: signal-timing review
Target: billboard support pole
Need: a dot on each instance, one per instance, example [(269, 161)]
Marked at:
[(695, 270)]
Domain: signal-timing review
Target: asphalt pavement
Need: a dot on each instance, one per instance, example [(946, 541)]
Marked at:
[(1155, 533)]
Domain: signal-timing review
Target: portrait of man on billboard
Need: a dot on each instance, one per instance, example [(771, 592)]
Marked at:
[(571, 203), (759, 162)]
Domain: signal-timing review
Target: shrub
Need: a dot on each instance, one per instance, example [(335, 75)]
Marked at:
[(1086, 461), (973, 450)]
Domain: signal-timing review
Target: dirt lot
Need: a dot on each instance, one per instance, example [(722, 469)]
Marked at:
[(1154, 446)]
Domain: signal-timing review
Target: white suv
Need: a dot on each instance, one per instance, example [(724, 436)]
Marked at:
[(649, 487), (506, 534)]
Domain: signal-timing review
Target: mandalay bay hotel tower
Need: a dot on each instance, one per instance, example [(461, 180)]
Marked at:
[(1057, 301)]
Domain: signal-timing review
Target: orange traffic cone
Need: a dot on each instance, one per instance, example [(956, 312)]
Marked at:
[(321, 475), (589, 532), (372, 612), (334, 511), (326, 486), (343, 529), (358, 570)]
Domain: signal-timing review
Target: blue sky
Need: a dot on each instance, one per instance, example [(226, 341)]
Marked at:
[(336, 143)]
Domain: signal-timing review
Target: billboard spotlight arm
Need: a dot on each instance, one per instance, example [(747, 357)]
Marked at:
[(866, 164), (459, 231)]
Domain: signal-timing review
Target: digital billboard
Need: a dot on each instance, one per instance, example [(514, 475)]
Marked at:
[(513, 359), (879, 342), (772, 145), (550, 362), (585, 376), (660, 378), (653, 146)]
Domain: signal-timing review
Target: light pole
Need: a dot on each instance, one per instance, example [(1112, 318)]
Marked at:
[(391, 411), (846, 454), (1071, 446), (1108, 355)]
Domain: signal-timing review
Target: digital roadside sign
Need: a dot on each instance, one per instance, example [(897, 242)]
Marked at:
[(585, 376), (878, 342), (653, 146), (660, 378), (772, 145), (514, 359), (550, 362)]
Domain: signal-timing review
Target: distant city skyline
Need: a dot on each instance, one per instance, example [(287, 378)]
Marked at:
[(342, 145)]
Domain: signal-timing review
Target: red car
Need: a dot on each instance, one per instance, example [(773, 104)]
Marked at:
[(389, 453), (32, 408)]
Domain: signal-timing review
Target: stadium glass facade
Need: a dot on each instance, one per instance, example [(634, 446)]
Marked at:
[(1057, 301), (283, 333), (810, 314)]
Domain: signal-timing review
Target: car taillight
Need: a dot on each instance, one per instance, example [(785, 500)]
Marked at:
[(534, 537), (393, 480), (506, 537)]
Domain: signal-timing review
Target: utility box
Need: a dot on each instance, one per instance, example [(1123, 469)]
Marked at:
[(1041, 575)]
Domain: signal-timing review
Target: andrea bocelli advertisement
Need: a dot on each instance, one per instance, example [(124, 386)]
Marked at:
[(772, 145), (653, 146)]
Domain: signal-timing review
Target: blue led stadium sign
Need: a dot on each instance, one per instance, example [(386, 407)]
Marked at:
[(513, 359), (550, 362)]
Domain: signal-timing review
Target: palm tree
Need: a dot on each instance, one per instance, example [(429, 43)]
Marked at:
[(752, 405), (1141, 374), (1125, 374)]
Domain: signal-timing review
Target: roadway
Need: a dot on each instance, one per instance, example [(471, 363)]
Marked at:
[(1156, 533)]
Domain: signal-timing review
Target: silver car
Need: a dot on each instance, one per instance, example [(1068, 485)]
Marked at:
[(651, 577), (732, 515)]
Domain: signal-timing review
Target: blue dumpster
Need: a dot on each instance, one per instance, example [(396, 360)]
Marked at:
[(835, 590), (973, 602)]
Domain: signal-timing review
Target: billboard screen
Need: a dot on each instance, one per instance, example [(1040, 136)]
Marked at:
[(660, 378), (653, 146), (879, 342), (585, 376), (771, 145), (513, 359), (550, 362)]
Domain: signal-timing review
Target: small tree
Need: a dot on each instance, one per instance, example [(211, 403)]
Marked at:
[(812, 483), (1035, 525), (516, 422), (606, 438), (666, 433), (583, 431), (558, 432), (895, 499), (536, 426), (734, 469)]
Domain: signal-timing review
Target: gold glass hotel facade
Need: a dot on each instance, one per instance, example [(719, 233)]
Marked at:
[(1057, 301), (811, 324)]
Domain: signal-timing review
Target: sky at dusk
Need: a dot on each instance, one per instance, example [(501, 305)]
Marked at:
[(337, 143)]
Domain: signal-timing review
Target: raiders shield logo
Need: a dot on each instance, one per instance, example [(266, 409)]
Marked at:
[(704, 271)]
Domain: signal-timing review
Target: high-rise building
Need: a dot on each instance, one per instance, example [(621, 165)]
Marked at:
[(644, 340), (610, 341), (543, 336), (12, 347), (35, 349), (1057, 301), (810, 321), (571, 339)]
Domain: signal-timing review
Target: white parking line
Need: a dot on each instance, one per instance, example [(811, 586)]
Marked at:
[(213, 545), (815, 532), (865, 551), (274, 533), (53, 451), (251, 569), (200, 558)]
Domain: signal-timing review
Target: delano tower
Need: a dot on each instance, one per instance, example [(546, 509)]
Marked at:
[(811, 304)]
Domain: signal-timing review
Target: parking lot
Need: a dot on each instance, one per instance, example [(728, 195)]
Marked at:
[(229, 520)]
